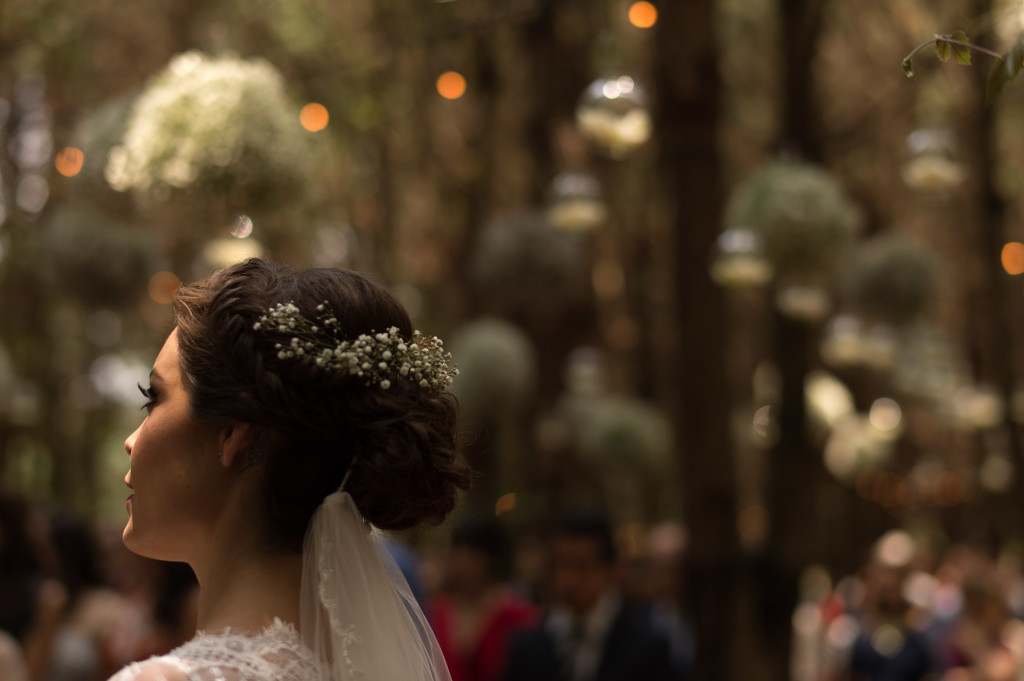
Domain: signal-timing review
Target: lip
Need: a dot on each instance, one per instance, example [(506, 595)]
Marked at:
[(128, 501)]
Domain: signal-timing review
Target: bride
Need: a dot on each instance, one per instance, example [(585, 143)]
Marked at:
[(287, 412)]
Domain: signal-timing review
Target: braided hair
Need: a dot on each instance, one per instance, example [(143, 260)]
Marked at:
[(312, 426)]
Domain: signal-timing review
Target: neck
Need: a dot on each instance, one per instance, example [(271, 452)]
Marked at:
[(247, 590), (242, 585)]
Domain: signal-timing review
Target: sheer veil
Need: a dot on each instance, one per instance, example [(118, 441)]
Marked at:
[(358, 614)]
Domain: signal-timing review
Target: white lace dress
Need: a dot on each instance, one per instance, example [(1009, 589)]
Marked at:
[(275, 654)]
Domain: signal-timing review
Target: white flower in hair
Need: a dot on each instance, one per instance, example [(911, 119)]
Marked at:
[(378, 357)]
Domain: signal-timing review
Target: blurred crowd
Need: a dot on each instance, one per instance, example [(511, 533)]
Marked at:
[(565, 603), (909, 614), (75, 605)]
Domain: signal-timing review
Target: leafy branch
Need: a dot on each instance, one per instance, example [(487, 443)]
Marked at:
[(1005, 69)]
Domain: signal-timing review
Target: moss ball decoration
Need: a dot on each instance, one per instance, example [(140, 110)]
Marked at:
[(800, 211), (891, 279), (497, 368), (523, 265), (624, 432), (213, 127), (95, 259)]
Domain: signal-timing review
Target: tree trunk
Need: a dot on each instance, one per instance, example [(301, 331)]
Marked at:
[(687, 115)]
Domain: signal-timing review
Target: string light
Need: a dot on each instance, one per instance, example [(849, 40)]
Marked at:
[(1013, 258), (314, 117), (451, 85), (69, 161), (643, 14)]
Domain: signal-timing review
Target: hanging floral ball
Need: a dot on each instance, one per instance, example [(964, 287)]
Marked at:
[(215, 127), (891, 279), (497, 369), (522, 264), (623, 431), (800, 212), (94, 259)]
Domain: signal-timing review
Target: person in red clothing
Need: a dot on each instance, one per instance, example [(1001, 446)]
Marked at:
[(476, 615)]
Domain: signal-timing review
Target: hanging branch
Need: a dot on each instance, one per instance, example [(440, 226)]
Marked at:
[(1005, 69)]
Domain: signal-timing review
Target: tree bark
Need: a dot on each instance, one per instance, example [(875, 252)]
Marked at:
[(687, 117)]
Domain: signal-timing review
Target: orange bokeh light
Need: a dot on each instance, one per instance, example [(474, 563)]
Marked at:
[(162, 287), (643, 14), (1013, 257), (451, 85), (506, 503), (314, 117), (69, 161)]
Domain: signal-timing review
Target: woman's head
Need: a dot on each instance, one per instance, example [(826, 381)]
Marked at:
[(310, 424)]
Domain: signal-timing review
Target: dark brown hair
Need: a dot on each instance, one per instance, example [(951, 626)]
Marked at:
[(313, 424)]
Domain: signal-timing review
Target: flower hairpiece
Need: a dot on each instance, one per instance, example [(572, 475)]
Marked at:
[(377, 357)]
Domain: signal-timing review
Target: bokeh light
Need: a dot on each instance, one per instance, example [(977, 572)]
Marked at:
[(643, 14), (314, 117), (505, 503), (885, 414), (1013, 257), (162, 287), (69, 161), (243, 227), (451, 85)]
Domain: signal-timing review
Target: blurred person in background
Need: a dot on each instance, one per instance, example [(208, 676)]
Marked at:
[(77, 649), (974, 645), (588, 632), (32, 601), (890, 645), (476, 614)]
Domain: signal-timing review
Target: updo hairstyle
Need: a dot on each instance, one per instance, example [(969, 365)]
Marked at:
[(313, 423)]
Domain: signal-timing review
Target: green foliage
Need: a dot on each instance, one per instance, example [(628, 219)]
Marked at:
[(1003, 72), (1005, 69)]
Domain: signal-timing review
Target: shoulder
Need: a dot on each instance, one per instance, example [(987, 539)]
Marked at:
[(11, 660), (154, 669), (168, 668)]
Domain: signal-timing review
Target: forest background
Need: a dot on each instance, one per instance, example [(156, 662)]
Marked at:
[(754, 279)]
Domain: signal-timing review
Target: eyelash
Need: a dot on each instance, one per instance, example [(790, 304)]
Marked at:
[(150, 396)]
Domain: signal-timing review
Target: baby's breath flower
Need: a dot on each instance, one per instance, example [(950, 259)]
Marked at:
[(378, 357)]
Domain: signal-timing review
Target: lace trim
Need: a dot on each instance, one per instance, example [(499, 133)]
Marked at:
[(347, 635), (275, 654)]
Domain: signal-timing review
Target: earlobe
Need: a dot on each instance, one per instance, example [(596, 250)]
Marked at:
[(235, 442)]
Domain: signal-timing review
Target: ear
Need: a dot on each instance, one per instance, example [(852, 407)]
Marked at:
[(235, 442)]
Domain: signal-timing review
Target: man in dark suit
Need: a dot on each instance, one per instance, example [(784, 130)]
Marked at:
[(588, 634)]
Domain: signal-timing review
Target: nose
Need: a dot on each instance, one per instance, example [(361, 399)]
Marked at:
[(129, 442)]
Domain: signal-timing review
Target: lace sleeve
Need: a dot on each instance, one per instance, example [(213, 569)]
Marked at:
[(156, 669)]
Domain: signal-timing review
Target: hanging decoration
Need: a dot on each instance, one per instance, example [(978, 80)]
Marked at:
[(891, 279), (575, 205), (613, 115), (806, 223), (218, 130), (933, 164), (739, 260)]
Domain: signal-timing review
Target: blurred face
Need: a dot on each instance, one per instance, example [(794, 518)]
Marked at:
[(468, 570), (173, 469), (578, 574)]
